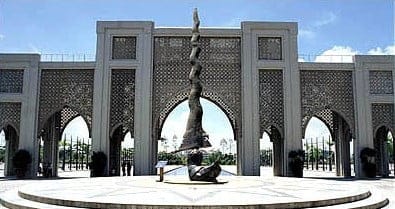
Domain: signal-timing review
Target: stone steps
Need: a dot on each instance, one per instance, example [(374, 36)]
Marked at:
[(16, 200), (374, 201), (178, 192), (12, 200)]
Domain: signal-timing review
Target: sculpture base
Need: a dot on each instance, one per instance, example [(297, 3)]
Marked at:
[(199, 173)]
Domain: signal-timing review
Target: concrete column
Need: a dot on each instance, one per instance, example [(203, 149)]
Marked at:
[(98, 141), (144, 149), (101, 97), (8, 158), (292, 102), (248, 154), (363, 113), (51, 145), (278, 148), (29, 108), (248, 145), (144, 144)]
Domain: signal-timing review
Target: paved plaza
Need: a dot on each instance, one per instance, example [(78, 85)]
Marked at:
[(266, 189)]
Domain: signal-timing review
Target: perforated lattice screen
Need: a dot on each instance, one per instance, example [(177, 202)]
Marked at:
[(66, 88), (221, 76), (122, 99), (10, 113), (66, 115), (327, 89), (269, 48), (383, 114), (380, 82), (124, 47), (11, 81), (271, 100)]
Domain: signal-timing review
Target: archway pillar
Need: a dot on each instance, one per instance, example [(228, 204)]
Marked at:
[(144, 160), (29, 103), (248, 147), (51, 139), (342, 147), (277, 159), (363, 113)]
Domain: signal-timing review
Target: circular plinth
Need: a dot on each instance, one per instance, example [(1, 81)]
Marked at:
[(235, 192)]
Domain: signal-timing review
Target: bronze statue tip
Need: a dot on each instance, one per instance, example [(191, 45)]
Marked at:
[(195, 16)]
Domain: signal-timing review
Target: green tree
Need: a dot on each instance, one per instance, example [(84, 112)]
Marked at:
[(224, 159), (2, 154), (172, 158)]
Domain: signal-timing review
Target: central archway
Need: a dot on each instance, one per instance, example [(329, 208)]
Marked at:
[(216, 124)]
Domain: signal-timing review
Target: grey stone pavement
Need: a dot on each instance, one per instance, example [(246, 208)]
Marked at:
[(385, 185)]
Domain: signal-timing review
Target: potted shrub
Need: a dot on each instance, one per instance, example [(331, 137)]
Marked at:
[(98, 164), (368, 160), (296, 162), (21, 161)]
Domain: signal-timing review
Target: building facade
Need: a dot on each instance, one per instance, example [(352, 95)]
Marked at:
[(252, 73)]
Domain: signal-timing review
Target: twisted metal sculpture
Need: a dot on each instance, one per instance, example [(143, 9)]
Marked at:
[(195, 137)]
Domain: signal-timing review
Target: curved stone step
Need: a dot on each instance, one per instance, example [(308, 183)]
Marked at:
[(374, 201), (12, 200), (223, 201)]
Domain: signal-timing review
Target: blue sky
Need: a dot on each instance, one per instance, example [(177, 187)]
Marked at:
[(53, 26), (325, 28)]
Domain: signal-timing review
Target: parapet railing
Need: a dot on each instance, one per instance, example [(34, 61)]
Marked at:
[(92, 58), (325, 58), (68, 57)]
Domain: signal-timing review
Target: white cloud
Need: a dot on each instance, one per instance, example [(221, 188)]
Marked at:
[(235, 22), (301, 59), (326, 19), (2, 37), (306, 33), (389, 50), (337, 54), (33, 48)]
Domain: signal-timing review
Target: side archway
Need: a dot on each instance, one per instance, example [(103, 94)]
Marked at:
[(276, 153), (340, 135), (384, 146), (49, 137), (11, 137)]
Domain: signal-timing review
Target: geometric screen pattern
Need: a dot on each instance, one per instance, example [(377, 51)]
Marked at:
[(66, 115), (60, 88), (383, 114), (11, 81), (380, 82), (327, 89), (269, 48), (327, 117), (10, 113), (124, 47), (220, 76), (271, 100), (122, 99)]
